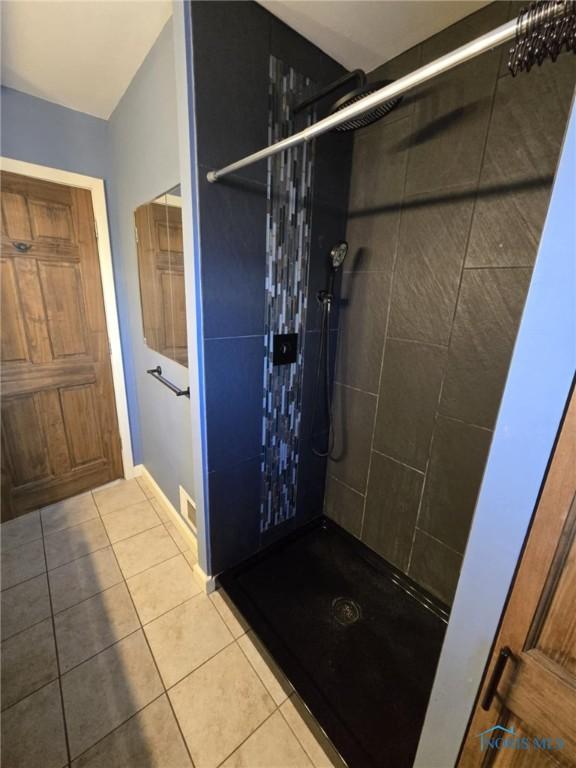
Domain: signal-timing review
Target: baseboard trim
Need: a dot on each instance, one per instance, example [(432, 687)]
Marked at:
[(141, 471)]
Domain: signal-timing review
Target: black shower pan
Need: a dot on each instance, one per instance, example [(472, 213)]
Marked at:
[(358, 640)]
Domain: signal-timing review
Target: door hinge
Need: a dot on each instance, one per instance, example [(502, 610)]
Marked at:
[(109, 348), (96, 228), (136, 235)]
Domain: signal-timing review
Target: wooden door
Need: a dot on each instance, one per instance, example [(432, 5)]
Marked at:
[(535, 696), (161, 270), (59, 426)]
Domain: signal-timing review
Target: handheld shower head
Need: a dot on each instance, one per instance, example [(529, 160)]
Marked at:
[(338, 254)]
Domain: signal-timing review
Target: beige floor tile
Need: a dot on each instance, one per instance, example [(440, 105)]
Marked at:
[(108, 689), (179, 538), (129, 521), (118, 496), (28, 662), (150, 739), (232, 618), (89, 627), (309, 741), (219, 705), (84, 577), (186, 637), (24, 605), (273, 745), (160, 510), (67, 513), (20, 531), (272, 677), (23, 563), (33, 731), (140, 552), (163, 587), (146, 486), (71, 543)]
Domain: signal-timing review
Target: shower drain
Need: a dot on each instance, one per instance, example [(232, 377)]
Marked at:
[(345, 610)]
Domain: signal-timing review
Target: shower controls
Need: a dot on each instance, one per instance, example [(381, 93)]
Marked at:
[(285, 349)]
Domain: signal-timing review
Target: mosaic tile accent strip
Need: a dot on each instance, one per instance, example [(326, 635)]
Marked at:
[(288, 235)]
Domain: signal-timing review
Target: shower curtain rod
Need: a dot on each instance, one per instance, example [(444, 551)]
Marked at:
[(466, 52)]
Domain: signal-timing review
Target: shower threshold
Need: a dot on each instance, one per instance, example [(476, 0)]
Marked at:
[(358, 640)]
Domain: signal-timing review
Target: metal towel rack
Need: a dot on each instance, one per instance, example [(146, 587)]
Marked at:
[(157, 373)]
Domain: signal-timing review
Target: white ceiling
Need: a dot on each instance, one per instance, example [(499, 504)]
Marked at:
[(365, 33), (81, 54)]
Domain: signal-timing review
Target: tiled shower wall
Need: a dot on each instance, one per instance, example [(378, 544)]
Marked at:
[(232, 46), (448, 198)]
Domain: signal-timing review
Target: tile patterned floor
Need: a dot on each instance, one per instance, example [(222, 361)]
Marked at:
[(112, 655)]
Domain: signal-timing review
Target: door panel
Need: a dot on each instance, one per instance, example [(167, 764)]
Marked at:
[(62, 292), (81, 422), (14, 347), (60, 430), (25, 441), (536, 694)]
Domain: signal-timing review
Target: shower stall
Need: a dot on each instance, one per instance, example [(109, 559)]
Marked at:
[(360, 307)]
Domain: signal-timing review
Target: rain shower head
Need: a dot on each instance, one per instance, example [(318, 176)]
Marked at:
[(338, 254), (363, 88), (368, 117)]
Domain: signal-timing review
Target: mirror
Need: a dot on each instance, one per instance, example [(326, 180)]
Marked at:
[(158, 227)]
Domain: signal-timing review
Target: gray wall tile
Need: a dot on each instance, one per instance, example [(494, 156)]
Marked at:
[(457, 461), (453, 110), (344, 505), (392, 502), (487, 318), (363, 306), (524, 141), (411, 380), (233, 256), (435, 567), (354, 413), (234, 513), (376, 189), (233, 370), (433, 234)]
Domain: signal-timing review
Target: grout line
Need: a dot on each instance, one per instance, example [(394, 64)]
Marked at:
[(356, 389), (192, 671), (435, 538), (312, 734), (417, 341), (228, 756), (85, 554), (31, 693), (474, 267), (354, 490), (258, 675), (454, 312), (56, 651), (173, 608), (397, 461), (462, 421), (117, 727), (131, 536), (122, 509), (18, 583)]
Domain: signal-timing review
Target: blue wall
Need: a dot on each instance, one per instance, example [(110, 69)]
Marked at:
[(143, 144), (136, 153), (38, 131)]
